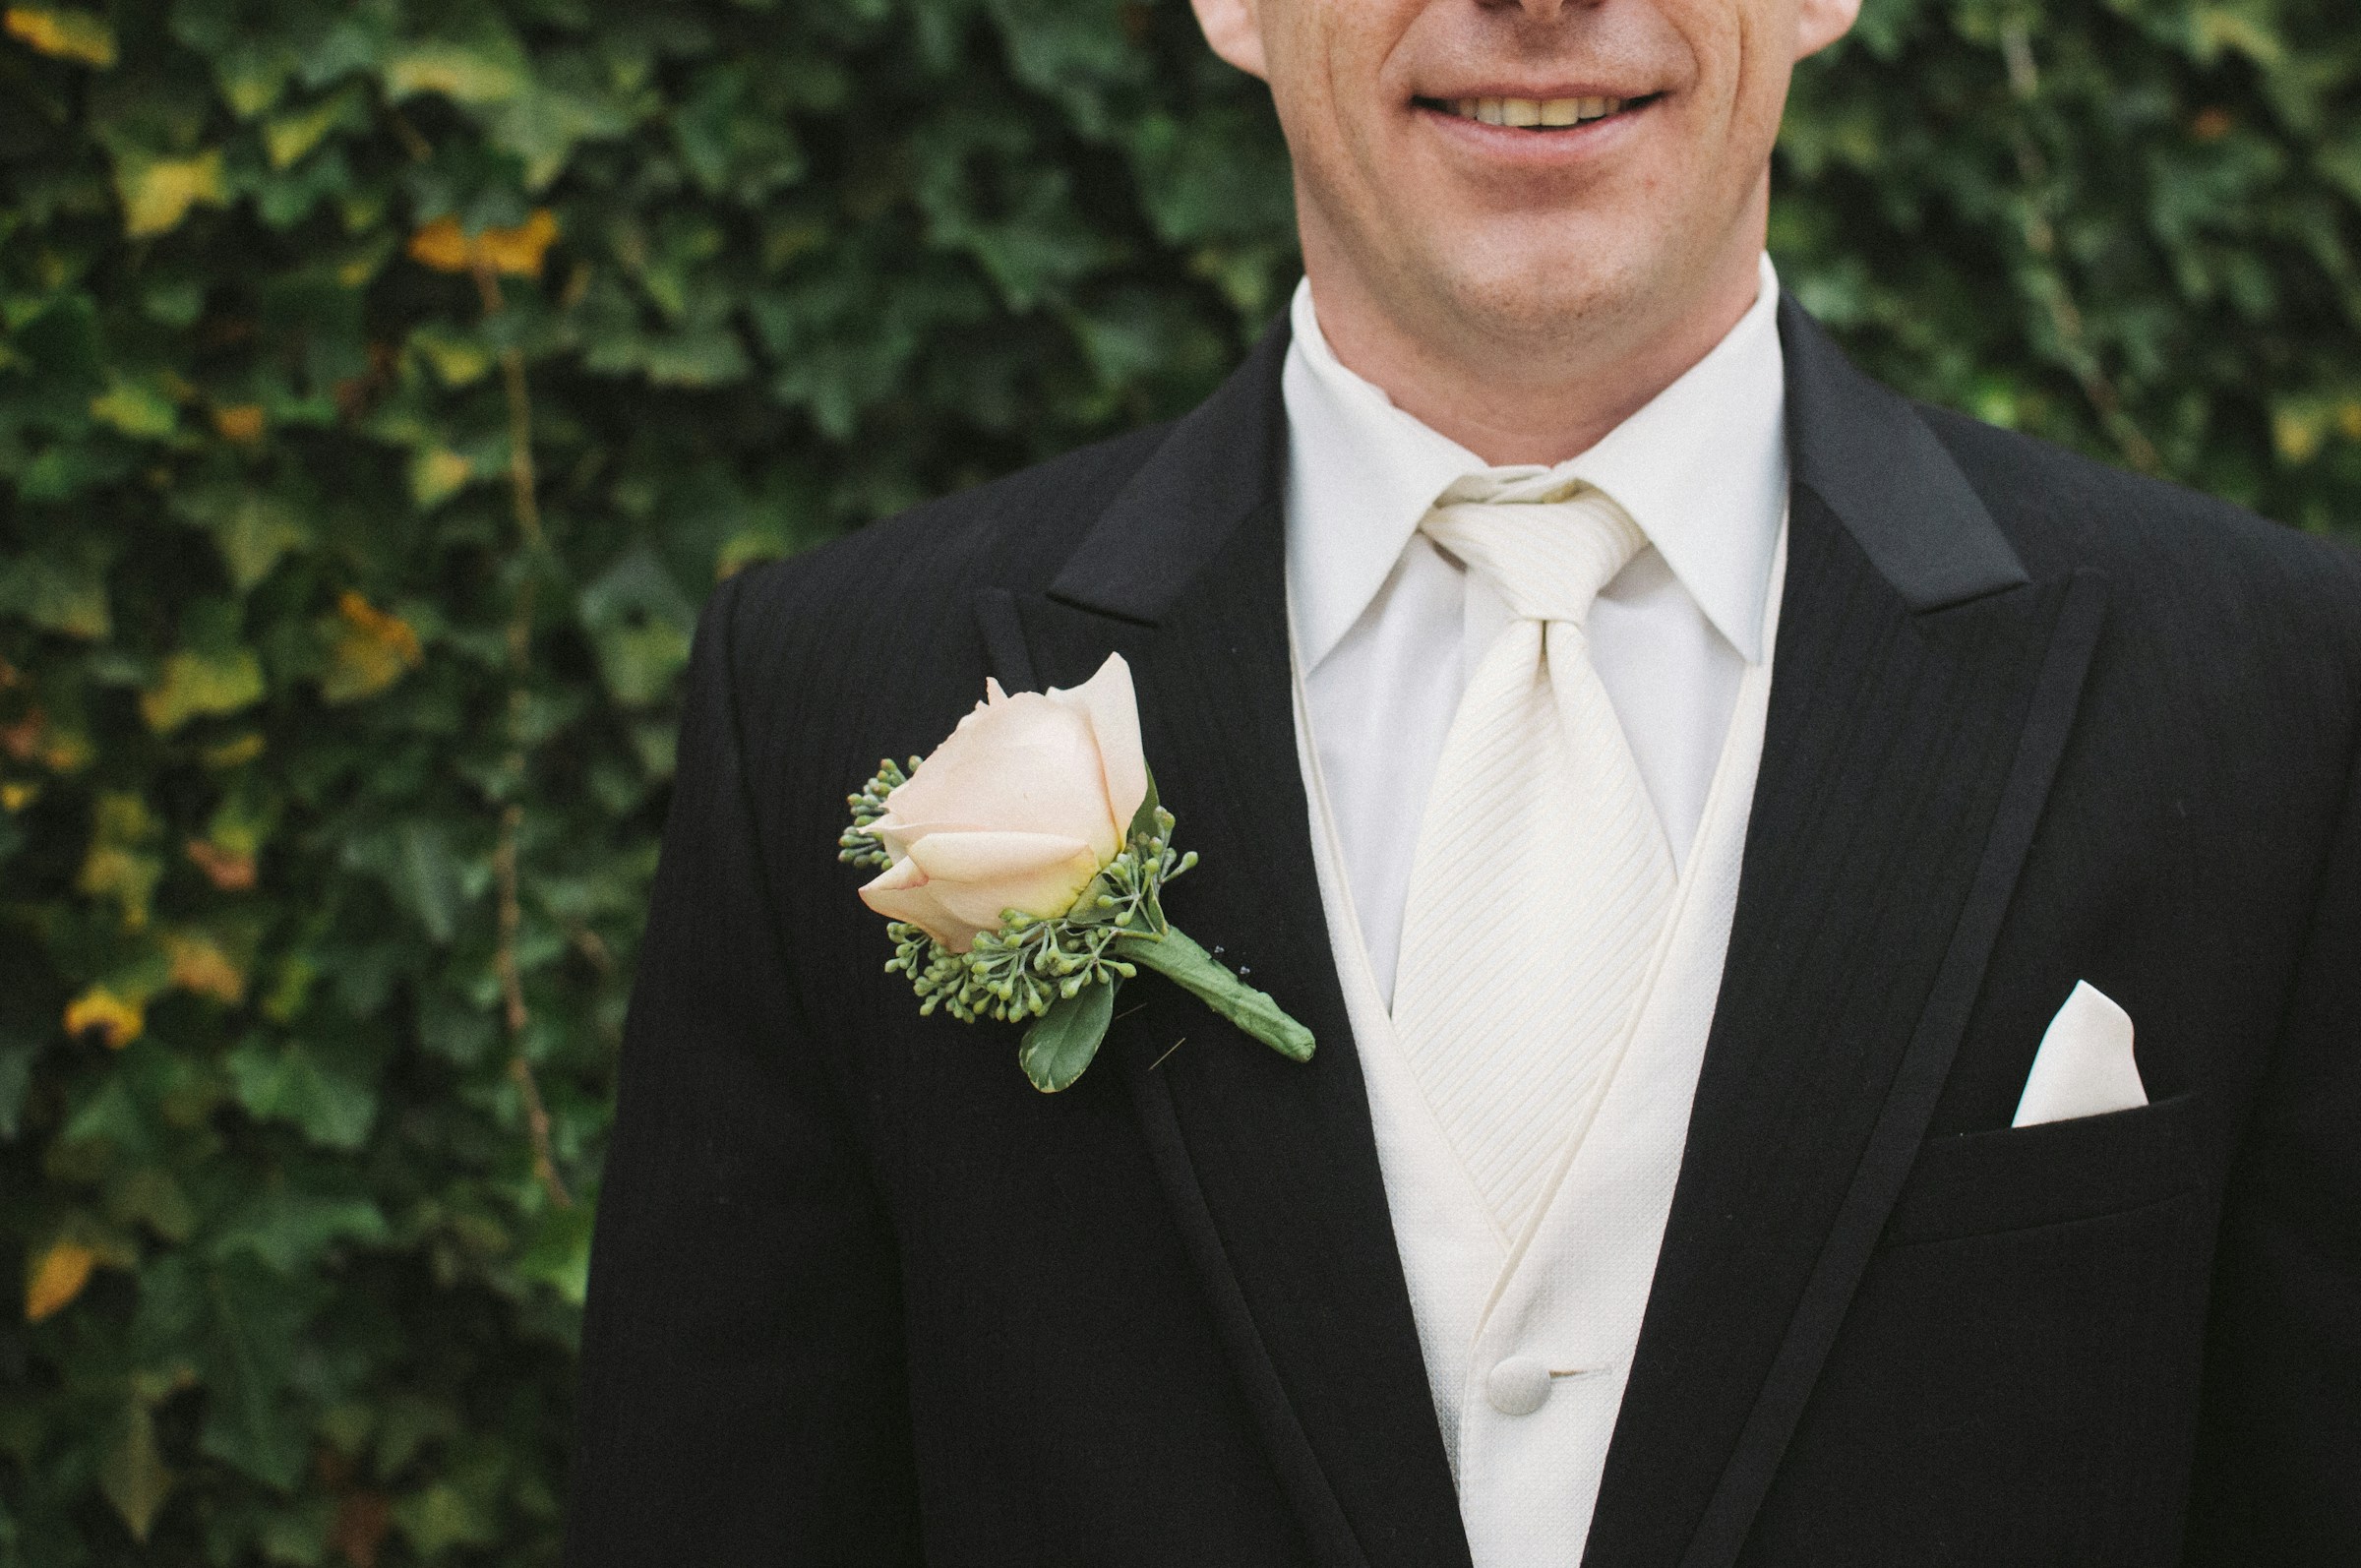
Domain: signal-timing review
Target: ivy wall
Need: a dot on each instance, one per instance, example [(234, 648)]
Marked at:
[(384, 383)]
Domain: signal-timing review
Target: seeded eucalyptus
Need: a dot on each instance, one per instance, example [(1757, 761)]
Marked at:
[(857, 845)]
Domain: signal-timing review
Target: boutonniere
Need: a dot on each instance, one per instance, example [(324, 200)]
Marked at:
[(1022, 865)]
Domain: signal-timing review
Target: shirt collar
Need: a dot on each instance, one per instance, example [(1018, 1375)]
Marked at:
[(1702, 468)]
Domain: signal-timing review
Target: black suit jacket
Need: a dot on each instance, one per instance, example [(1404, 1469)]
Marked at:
[(861, 1295)]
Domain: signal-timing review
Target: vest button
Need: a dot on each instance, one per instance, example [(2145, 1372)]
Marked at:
[(1518, 1386)]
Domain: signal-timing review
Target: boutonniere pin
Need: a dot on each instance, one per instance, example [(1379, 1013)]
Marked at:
[(1022, 866)]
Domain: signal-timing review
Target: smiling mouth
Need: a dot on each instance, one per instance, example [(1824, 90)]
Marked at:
[(1533, 114)]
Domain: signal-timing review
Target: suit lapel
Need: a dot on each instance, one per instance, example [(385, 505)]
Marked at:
[(1270, 1167), (1921, 695)]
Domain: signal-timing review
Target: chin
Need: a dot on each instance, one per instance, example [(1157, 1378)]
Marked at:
[(1531, 294)]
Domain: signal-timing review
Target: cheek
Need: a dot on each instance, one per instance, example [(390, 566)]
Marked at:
[(1763, 57), (1337, 98)]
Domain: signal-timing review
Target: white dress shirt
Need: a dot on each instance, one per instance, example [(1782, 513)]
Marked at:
[(1390, 629)]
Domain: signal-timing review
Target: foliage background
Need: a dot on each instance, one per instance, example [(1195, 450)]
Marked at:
[(382, 384)]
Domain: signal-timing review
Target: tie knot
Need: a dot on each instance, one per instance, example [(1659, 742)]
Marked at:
[(1546, 558)]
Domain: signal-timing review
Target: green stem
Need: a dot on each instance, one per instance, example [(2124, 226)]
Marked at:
[(1195, 971)]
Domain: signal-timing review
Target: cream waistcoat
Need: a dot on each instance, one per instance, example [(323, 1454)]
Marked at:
[(1528, 1348)]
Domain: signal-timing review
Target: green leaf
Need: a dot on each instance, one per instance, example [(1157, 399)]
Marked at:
[(254, 1330), (61, 588), (333, 1107), (198, 681), (157, 192), (290, 1231), (251, 529), (559, 1254), (418, 864), (288, 136), (65, 33), (133, 1475), (1197, 972), (440, 1517), (1059, 1044), (16, 1076), (640, 623), (491, 70), (137, 406), (1143, 821)]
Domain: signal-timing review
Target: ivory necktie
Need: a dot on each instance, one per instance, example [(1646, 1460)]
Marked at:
[(1541, 877)]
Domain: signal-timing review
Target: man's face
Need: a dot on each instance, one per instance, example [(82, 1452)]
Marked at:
[(1528, 172)]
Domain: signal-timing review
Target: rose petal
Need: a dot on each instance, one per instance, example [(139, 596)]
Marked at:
[(1023, 764), (902, 892), (977, 876), (897, 837), (1108, 699)]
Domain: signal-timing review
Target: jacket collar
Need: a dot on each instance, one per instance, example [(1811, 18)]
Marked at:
[(1860, 448)]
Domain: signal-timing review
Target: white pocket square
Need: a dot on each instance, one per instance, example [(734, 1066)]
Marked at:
[(2085, 1065)]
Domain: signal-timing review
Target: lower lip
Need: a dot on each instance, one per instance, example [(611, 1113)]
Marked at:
[(1554, 148)]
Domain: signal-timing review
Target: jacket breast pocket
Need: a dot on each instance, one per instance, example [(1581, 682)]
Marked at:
[(2015, 1178)]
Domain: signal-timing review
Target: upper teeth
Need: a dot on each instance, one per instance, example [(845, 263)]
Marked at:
[(1535, 111)]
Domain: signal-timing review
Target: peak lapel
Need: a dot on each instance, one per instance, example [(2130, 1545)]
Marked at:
[(1922, 693), (1270, 1166)]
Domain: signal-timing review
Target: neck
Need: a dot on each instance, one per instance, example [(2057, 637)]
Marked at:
[(1513, 398)]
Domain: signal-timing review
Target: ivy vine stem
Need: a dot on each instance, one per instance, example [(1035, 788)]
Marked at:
[(526, 505)]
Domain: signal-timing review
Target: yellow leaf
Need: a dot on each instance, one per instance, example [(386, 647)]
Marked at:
[(240, 422), (2348, 418), (2298, 430), (287, 137), (115, 865), (157, 193), (517, 251), (201, 968), (56, 1277), (235, 752), (436, 475), (66, 35), (123, 874), (15, 797), (442, 246), (195, 682), (371, 649), (136, 409), (115, 1020), (458, 361)]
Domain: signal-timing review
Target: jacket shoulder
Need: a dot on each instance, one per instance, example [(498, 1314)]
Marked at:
[(870, 644), (2164, 544)]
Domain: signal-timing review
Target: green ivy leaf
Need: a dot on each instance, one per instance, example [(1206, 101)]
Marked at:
[(441, 1517), (61, 588), (133, 1475), (253, 1327), (196, 682), (329, 1105), (290, 1231)]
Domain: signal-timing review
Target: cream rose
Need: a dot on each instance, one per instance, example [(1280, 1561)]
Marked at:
[(1019, 809)]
